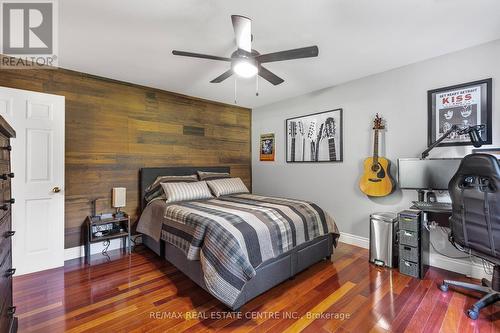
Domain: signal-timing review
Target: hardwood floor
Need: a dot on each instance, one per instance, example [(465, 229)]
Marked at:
[(141, 293)]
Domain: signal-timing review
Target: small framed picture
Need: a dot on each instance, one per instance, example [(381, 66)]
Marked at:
[(315, 138), (492, 151), (267, 147), (467, 104)]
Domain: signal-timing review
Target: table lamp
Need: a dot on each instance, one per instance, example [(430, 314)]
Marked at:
[(119, 200)]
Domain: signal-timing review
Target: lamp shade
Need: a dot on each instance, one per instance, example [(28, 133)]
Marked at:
[(119, 197)]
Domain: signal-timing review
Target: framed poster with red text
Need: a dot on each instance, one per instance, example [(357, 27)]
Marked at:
[(464, 105)]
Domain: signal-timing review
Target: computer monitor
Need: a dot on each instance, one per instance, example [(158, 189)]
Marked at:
[(427, 174)]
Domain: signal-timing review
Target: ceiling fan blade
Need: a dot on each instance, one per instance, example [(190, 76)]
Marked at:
[(242, 32), (303, 52), (199, 55), (270, 76), (222, 77)]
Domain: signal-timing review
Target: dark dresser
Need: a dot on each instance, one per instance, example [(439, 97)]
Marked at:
[(8, 322)]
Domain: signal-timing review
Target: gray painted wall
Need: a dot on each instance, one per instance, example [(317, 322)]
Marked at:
[(400, 96)]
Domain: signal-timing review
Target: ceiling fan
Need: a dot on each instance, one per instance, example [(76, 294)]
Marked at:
[(245, 61)]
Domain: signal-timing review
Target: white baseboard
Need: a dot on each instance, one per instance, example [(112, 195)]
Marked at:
[(462, 266), (354, 240), (79, 251)]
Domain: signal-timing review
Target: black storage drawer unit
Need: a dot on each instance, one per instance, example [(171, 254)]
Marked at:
[(407, 222), (409, 268), (8, 322), (409, 253), (413, 244), (410, 238)]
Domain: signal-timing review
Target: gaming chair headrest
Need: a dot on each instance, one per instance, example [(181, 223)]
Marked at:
[(477, 165)]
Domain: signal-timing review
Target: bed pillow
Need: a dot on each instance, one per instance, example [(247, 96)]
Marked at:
[(227, 186), (156, 191), (204, 175), (186, 191)]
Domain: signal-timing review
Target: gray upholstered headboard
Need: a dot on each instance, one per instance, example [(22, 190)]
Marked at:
[(148, 175)]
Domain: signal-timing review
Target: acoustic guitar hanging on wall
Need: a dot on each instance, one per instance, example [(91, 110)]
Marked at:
[(376, 180)]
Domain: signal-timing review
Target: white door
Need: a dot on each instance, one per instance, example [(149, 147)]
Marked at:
[(38, 186)]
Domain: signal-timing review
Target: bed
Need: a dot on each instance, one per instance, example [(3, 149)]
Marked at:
[(167, 235)]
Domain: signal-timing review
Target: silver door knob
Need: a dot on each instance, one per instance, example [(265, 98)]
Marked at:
[(56, 189)]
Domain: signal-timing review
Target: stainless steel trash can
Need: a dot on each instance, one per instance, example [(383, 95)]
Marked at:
[(383, 239)]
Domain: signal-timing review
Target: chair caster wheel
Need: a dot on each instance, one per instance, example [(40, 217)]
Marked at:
[(443, 287), (473, 314)]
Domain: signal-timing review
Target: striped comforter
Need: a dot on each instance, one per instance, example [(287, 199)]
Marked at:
[(233, 235)]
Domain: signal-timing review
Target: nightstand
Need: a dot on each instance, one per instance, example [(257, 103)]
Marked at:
[(102, 230)]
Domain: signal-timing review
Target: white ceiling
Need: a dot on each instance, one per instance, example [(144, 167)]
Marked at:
[(132, 40)]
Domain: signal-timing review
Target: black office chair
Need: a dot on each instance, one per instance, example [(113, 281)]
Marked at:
[(475, 221)]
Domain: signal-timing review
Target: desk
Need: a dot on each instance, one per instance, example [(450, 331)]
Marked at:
[(441, 217)]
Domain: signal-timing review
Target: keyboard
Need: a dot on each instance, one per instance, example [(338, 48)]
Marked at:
[(432, 206)]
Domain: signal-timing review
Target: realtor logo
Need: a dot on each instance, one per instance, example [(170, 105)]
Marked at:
[(28, 33), (27, 28)]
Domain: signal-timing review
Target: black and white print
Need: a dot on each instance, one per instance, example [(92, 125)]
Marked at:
[(462, 105), (315, 138)]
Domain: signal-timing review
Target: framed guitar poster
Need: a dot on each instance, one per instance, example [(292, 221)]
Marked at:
[(315, 138), (267, 147)]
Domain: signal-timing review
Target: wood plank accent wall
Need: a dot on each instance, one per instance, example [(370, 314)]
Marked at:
[(114, 128)]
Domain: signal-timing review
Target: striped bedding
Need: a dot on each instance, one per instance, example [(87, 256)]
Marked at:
[(232, 235)]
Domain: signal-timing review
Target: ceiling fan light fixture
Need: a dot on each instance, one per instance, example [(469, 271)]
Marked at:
[(245, 61), (245, 68)]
